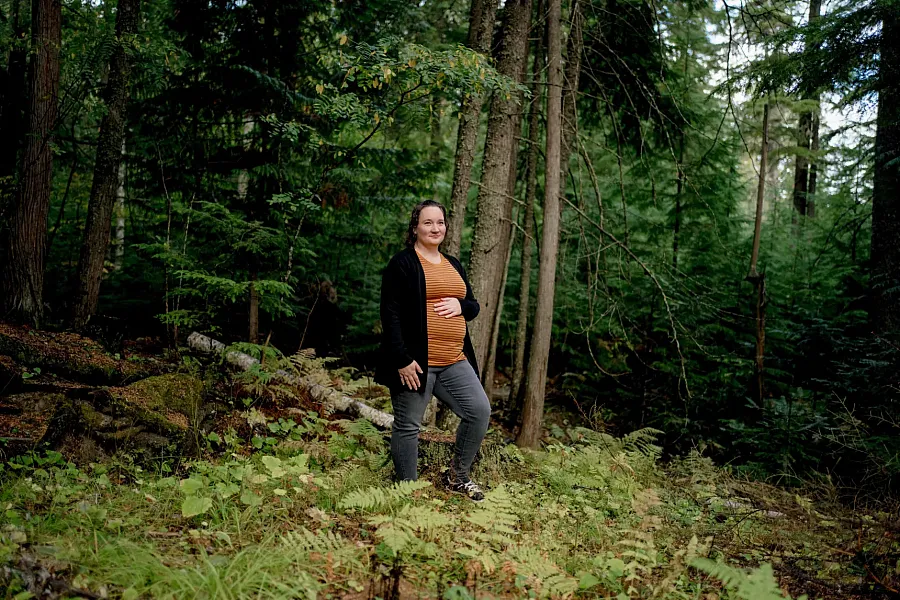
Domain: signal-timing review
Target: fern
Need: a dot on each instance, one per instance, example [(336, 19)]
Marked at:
[(307, 541), (758, 584), (643, 441), (373, 498)]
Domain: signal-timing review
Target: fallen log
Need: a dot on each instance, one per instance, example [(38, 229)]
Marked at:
[(318, 392)]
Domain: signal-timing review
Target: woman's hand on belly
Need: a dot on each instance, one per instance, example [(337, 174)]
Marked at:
[(448, 307)]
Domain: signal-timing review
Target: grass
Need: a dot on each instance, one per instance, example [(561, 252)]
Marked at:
[(310, 513)]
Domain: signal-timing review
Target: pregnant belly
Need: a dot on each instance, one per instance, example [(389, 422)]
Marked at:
[(440, 329)]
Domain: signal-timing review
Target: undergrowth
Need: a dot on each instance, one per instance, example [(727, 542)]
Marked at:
[(310, 513)]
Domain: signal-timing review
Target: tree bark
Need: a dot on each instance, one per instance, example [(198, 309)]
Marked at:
[(481, 24), (543, 317), (528, 224), (106, 168), (22, 270), (753, 276), (118, 241), (886, 193), (679, 189), (808, 122), (813, 172), (491, 239)]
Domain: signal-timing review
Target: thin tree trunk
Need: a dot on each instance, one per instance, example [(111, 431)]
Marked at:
[(543, 317), (243, 187), (528, 223), (118, 241), (22, 267), (753, 276), (886, 193), (253, 329), (489, 246), (813, 172), (481, 25), (679, 188), (106, 169), (491, 363), (805, 134)]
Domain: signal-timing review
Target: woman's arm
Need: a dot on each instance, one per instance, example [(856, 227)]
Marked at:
[(469, 305), (392, 284)]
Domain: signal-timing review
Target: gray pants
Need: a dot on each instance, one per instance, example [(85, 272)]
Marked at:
[(458, 387)]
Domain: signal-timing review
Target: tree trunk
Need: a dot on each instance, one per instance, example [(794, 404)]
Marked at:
[(13, 104), (886, 192), (808, 122), (118, 240), (753, 276), (528, 224), (106, 169), (253, 328), (243, 187), (813, 172), (489, 246), (679, 189), (543, 316), (22, 270), (491, 362), (481, 25)]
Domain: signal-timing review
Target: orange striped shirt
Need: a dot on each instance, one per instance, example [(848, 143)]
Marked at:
[(445, 336)]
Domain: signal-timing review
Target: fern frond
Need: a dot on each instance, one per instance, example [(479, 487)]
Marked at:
[(759, 584), (373, 498), (306, 540)]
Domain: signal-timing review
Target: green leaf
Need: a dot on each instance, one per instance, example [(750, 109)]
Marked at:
[(191, 486), (273, 464), (587, 581), (195, 505)]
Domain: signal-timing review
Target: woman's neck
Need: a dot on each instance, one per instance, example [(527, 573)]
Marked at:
[(430, 252)]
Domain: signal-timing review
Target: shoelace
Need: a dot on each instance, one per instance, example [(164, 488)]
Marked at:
[(471, 486)]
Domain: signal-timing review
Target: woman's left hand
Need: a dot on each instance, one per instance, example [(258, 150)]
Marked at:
[(448, 307)]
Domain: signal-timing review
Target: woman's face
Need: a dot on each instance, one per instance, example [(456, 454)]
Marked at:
[(432, 228)]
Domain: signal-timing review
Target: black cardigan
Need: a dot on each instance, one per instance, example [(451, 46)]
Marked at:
[(404, 322)]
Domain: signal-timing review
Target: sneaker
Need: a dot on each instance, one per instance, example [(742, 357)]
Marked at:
[(469, 488)]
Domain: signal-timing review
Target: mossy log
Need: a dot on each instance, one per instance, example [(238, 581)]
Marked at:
[(70, 355), (154, 414), (325, 395)]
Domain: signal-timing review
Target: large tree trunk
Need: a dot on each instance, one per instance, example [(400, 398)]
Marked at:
[(490, 243), (106, 168), (22, 267), (481, 26), (543, 316), (808, 119), (11, 107), (528, 224), (753, 276), (886, 192)]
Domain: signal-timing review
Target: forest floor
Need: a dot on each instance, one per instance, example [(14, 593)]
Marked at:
[(277, 498)]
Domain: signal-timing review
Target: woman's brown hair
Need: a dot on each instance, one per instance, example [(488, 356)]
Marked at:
[(411, 235)]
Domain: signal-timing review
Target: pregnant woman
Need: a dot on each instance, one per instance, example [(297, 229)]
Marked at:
[(425, 303)]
